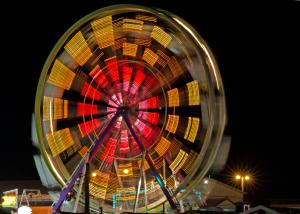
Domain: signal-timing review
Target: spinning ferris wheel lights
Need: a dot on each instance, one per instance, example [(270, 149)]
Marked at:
[(133, 94)]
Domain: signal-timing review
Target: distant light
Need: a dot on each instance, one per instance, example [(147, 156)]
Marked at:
[(94, 174), (24, 210), (238, 177), (125, 171), (206, 181), (152, 184), (247, 177), (9, 201), (182, 190)]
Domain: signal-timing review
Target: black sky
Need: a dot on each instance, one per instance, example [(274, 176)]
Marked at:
[(256, 49)]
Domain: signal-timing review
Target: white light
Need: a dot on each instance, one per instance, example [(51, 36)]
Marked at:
[(94, 174), (206, 181), (24, 210)]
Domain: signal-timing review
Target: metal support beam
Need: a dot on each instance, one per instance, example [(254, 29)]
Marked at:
[(139, 183), (117, 172), (164, 178), (79, 189), (119, 180), (63, 194), (151, 165), (87, 189), (98, 144), (145, 188)]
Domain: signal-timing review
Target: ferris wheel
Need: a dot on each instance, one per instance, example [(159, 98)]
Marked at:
[(132, 96)]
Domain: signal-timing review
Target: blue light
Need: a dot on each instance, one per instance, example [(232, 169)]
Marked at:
[(182, 190), (198, 194), (114, 201)]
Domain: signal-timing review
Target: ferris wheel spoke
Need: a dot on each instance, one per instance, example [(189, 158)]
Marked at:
[(147, 94), (126, 71), (139, 183), (150, 118), (97, 85), (148, 132), (102, 134)]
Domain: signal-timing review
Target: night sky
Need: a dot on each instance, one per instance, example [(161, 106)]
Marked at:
[(256, 49)]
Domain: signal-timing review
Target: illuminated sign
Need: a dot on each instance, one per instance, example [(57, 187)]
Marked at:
[(10, 199)]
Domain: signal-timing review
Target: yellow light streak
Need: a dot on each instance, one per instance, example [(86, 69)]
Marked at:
[(162, 147), (129, 49), (173, 97), (194, 94), (146, 18), (103, 30), (61, 75), (78, 48), (172, 123), (161, 36), (59, 141), (192, 129), (149, 56), (178, 161)]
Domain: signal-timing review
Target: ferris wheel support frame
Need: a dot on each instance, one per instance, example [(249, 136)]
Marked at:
[(151, 166), (63, 194), (80, 188), (85, 166)]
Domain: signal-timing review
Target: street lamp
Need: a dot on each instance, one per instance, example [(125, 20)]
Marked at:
[(242, 178)]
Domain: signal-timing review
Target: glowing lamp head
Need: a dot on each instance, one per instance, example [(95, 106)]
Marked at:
[(94, 174), (238, 177), (247, 177), (205, 181), (125, 171), (24, 210)]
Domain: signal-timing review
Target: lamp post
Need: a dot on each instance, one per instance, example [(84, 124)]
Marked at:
[(242, 178)]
